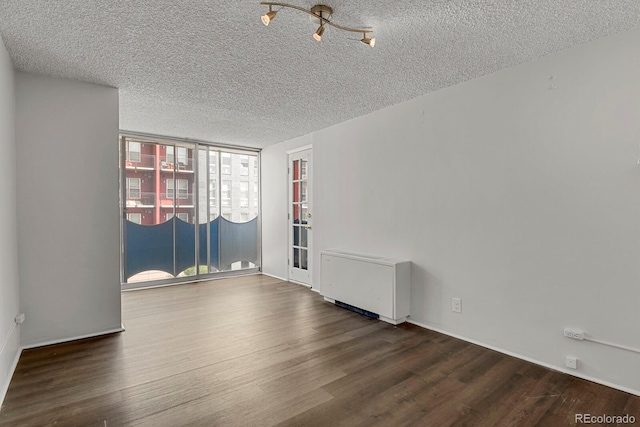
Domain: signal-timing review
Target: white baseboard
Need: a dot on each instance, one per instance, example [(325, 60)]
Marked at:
[(289, 280), (80, 337), (5, 386), (4, 382), (300, 283), (275, 277), (528, 359)]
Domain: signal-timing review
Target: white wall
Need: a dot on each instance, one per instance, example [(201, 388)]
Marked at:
[(68, 215), (9, 303), (518, 192)]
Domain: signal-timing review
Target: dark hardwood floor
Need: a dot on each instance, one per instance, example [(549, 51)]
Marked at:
[(255, 351)]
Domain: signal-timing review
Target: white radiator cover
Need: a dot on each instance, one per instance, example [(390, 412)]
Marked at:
[(376, 284)]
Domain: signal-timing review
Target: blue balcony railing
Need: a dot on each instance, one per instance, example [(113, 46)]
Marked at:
[(150, 247)]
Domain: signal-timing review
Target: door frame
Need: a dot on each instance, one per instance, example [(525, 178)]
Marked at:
[(289, 200)]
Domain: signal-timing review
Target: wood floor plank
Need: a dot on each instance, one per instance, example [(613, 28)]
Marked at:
[(257, 351)]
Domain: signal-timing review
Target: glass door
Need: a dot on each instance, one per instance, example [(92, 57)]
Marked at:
[(190, 211), (300, 217)]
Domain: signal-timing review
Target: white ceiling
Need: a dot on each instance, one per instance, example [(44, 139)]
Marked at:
[(210, 70)]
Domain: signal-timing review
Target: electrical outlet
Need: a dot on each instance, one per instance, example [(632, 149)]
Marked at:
[(572, 362), (456, 305), (574, 334)]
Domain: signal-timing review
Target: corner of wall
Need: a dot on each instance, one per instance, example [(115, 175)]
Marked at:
[(79, 286), (9, 293), (10, 352)]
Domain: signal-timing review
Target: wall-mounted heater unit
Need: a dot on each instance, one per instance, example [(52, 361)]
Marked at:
[(372, 284)]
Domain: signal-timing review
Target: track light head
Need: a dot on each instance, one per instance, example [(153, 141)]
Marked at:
[(268, 17), (366, 40), (319, 32)]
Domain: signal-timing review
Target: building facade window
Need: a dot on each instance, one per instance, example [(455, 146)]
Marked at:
[(133, 151), (226, 163), (213, 194), (135, 217), (182, 156), (244, 165), (183, 189), (133, 188), (226, 193), (244, 194), (170, 157), (169, 187), (255, 195)]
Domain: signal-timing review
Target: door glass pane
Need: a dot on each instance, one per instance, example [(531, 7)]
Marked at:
[(303, 169), (185, 222), (303, 259), (296, 235), (296, 192), (303, 191), (214, 201), (239, 230), (296, 170), (296, 213), (207, 209), (296, 258), (149, 238), (303, 237), (203, 185)]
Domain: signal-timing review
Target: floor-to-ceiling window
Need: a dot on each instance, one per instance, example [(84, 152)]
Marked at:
[(189, 210)]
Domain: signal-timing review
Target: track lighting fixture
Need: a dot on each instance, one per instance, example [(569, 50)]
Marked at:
[(268, 17), (320, 15), (319, 32), (370, 41)]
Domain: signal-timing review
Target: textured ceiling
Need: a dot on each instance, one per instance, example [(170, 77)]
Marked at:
[(210, 70)]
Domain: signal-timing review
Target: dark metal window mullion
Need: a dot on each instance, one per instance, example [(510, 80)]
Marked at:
[(219, 204), (123, 216), (196, 202), (174, 218), (208, 227)]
